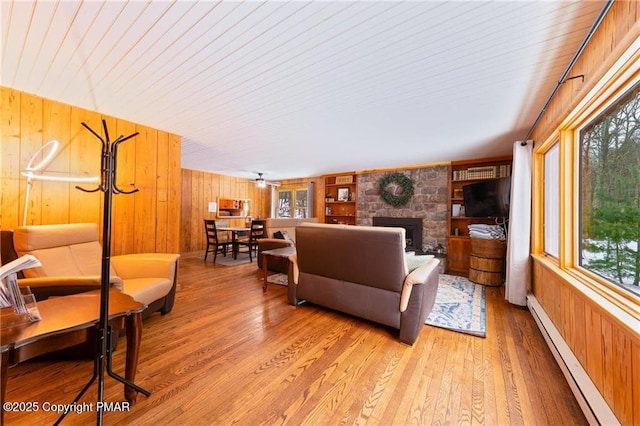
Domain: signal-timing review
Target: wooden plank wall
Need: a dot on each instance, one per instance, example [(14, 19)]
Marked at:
[(199, 188), (147, 221), (609, 351)]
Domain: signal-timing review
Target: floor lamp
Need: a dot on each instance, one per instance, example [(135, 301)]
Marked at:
[(35, 170)]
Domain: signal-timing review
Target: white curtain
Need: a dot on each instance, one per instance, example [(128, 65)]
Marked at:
[(518, 274)]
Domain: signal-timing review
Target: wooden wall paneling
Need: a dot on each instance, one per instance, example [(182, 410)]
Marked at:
[(580, 329), (566, 298), (604, 348), (174, 198), (124, 206), (29, 121), (199, 188), (197, 226), (31, 141), (162, 191), (594, 354), (225, 188), (146, 144), (85, 158), (623, 381), (55, 195), (185, 209), (608, 367), (10, 199)]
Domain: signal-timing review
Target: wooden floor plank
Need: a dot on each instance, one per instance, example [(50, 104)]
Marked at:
[(230, 354)]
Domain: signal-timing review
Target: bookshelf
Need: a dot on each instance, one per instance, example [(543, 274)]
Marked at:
[(340, 198), (464, 173)]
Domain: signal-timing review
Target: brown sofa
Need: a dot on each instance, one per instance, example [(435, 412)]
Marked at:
[(362, 271), (71, 258)]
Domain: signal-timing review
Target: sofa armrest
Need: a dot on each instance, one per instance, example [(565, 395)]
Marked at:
[(271, 244), (45, 287), (145, 265), (418, 276), (420, 290), (292, 275)]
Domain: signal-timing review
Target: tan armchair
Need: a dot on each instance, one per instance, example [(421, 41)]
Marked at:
[(71, 258), (286, 226), (265, 244)]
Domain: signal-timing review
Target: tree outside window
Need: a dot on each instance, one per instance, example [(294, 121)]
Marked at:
[(610, 193)]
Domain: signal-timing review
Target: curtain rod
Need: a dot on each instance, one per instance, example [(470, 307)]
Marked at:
[(593, 29)]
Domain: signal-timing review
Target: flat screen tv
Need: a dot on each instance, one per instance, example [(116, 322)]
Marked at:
[(489, 198)]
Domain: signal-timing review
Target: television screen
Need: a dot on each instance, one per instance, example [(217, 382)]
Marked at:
[(489, 198)]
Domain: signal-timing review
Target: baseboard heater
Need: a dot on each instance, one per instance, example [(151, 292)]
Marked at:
[(590, 400)]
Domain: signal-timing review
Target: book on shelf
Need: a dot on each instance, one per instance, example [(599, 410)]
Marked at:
[(11, 295), (483, 172)]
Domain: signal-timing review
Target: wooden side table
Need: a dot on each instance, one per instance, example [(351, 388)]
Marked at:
[(280, 255), (61, 318)]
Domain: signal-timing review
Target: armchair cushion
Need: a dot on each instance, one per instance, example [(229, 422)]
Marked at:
[(76, 253)]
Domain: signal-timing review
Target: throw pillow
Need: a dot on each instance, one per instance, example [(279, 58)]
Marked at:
[(278, 235)]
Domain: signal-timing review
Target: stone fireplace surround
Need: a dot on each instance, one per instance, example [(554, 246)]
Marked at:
[(429, 201)]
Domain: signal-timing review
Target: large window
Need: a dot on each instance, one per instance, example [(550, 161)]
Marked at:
[(294, 203), (609, 224)]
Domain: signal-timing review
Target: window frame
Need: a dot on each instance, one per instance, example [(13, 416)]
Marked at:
[(585, 124), (620, 78)]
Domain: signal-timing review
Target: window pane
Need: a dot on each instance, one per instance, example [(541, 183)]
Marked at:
[(610, 193), (552, 201), (284, 204), (301, 204)]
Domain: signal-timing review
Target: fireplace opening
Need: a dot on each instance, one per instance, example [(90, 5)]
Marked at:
[(412, 226)]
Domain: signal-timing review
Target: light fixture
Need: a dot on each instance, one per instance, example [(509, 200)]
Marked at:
[(35, 171), (260, 182)]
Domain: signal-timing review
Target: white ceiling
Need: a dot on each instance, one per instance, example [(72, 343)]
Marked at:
[(297, 89)]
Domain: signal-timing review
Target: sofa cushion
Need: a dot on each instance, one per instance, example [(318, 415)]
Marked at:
[(84, 258), (56, 261)]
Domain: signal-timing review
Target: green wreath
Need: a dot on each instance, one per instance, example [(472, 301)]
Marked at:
[(403, 182)]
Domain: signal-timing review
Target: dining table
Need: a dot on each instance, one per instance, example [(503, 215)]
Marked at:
[(235, 232)]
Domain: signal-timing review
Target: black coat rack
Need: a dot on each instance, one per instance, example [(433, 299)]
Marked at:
[(102, 359)]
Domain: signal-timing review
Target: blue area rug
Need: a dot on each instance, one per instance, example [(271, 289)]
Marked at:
[(460, 306)]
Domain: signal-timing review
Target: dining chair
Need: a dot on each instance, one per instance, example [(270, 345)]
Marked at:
[(256, 231), (215, 242)]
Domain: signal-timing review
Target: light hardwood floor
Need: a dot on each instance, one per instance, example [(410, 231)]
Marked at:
[(230, 354)]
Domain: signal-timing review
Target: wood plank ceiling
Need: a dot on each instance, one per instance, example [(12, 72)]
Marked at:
[(302, 88)]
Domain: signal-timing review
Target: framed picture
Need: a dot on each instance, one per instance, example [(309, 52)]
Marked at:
[(343, 194)]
